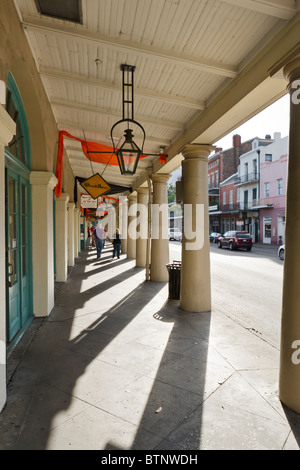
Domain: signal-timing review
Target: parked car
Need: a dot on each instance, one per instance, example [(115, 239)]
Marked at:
[(213, 237), (281, 252), (235, 239), (175, 234)]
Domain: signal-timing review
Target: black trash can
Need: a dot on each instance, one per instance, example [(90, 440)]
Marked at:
[(174, 279)]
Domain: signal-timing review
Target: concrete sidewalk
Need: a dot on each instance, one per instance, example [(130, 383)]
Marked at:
[(118, 366)]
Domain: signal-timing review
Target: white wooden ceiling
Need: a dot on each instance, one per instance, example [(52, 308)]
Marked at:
[(184, 51)]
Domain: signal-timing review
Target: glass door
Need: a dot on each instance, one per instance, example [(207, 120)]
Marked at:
[(13, 258), (18, 275)]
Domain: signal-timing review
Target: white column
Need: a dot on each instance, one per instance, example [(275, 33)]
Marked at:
[(195, 291), (289, 377), (7, 131), (131, 240), (159, 240), (61, 212), (71, 207), (124, 218), (142, 226), (42, 185), (76, 231)]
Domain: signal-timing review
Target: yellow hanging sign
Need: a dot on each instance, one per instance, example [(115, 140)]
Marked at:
[(96, 186)]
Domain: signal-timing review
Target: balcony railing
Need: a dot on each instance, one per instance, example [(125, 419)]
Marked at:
[(244, 206), (213, 186), (230, 207), (247, 178)]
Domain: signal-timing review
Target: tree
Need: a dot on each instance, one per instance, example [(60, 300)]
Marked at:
[(171, 193)]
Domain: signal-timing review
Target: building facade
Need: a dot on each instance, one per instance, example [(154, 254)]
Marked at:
[(254, 198), (273, 185)]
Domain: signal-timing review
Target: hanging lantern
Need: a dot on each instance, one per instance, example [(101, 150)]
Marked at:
[(129, 152)]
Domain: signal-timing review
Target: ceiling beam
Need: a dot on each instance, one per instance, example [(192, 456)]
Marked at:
[(138, 49), (144, 92), (62, 124), (108, 112), (284, 9)]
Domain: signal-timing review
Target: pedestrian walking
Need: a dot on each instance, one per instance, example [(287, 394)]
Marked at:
[(99, 235)]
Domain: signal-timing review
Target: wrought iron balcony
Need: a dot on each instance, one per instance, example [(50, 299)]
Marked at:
[(247, 178)]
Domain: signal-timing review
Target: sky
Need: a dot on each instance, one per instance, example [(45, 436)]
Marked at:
[(275, 118)]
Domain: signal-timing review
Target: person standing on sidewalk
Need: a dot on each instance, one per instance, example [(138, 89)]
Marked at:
[(99, 235), (117, 243)]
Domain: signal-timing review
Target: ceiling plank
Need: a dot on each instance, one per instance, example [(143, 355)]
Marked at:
[(284, 9), (62, 124), (182, 60), (150, 94), (109, 112)]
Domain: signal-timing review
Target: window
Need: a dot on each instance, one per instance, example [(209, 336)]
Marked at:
[(238, 195), (279, 187), (231, 199), (68, 10), (217, 178), (268, 157), (255, 168), (254, 194), (267, 189), (224, 197)]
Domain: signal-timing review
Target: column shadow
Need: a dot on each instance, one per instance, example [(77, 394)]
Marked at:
[(65, 345)]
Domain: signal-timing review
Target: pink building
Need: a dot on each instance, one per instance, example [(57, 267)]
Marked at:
[(273, 180)]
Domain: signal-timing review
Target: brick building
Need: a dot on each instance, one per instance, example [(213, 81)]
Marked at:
[(222, 165)]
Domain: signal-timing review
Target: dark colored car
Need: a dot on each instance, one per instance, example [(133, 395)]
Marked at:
[(213, 237), (235, 239)]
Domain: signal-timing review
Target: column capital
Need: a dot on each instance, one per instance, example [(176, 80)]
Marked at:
[(63, 198), (71, 205), (291, 70), (132, 197), (197, 151), (160, 178), (142, 190), (43, 178)]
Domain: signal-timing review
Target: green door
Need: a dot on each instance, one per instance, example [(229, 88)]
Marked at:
[(12, 255), (18, 253), (18, 219)]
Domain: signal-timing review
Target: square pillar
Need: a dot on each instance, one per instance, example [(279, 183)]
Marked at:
[(76, 231), (7, 131), (42, 185), (61, 213), (71, 259)]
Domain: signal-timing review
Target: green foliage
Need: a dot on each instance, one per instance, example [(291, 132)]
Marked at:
[(171, 193)]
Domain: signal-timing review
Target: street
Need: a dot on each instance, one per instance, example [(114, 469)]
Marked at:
[(246, 286)]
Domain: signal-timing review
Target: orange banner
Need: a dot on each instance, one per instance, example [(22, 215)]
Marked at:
[(107, 158)]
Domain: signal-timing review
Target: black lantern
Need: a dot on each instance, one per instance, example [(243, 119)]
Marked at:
[(128, 153)]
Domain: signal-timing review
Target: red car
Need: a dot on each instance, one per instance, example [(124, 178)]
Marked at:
[(235, 239)]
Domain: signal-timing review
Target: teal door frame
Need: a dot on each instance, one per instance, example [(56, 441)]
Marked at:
[(18, 218)]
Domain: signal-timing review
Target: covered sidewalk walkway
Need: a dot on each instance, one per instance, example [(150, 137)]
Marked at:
[(118, 366)]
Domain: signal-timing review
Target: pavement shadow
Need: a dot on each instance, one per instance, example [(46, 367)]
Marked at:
[(56, 359), (169, 415)]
